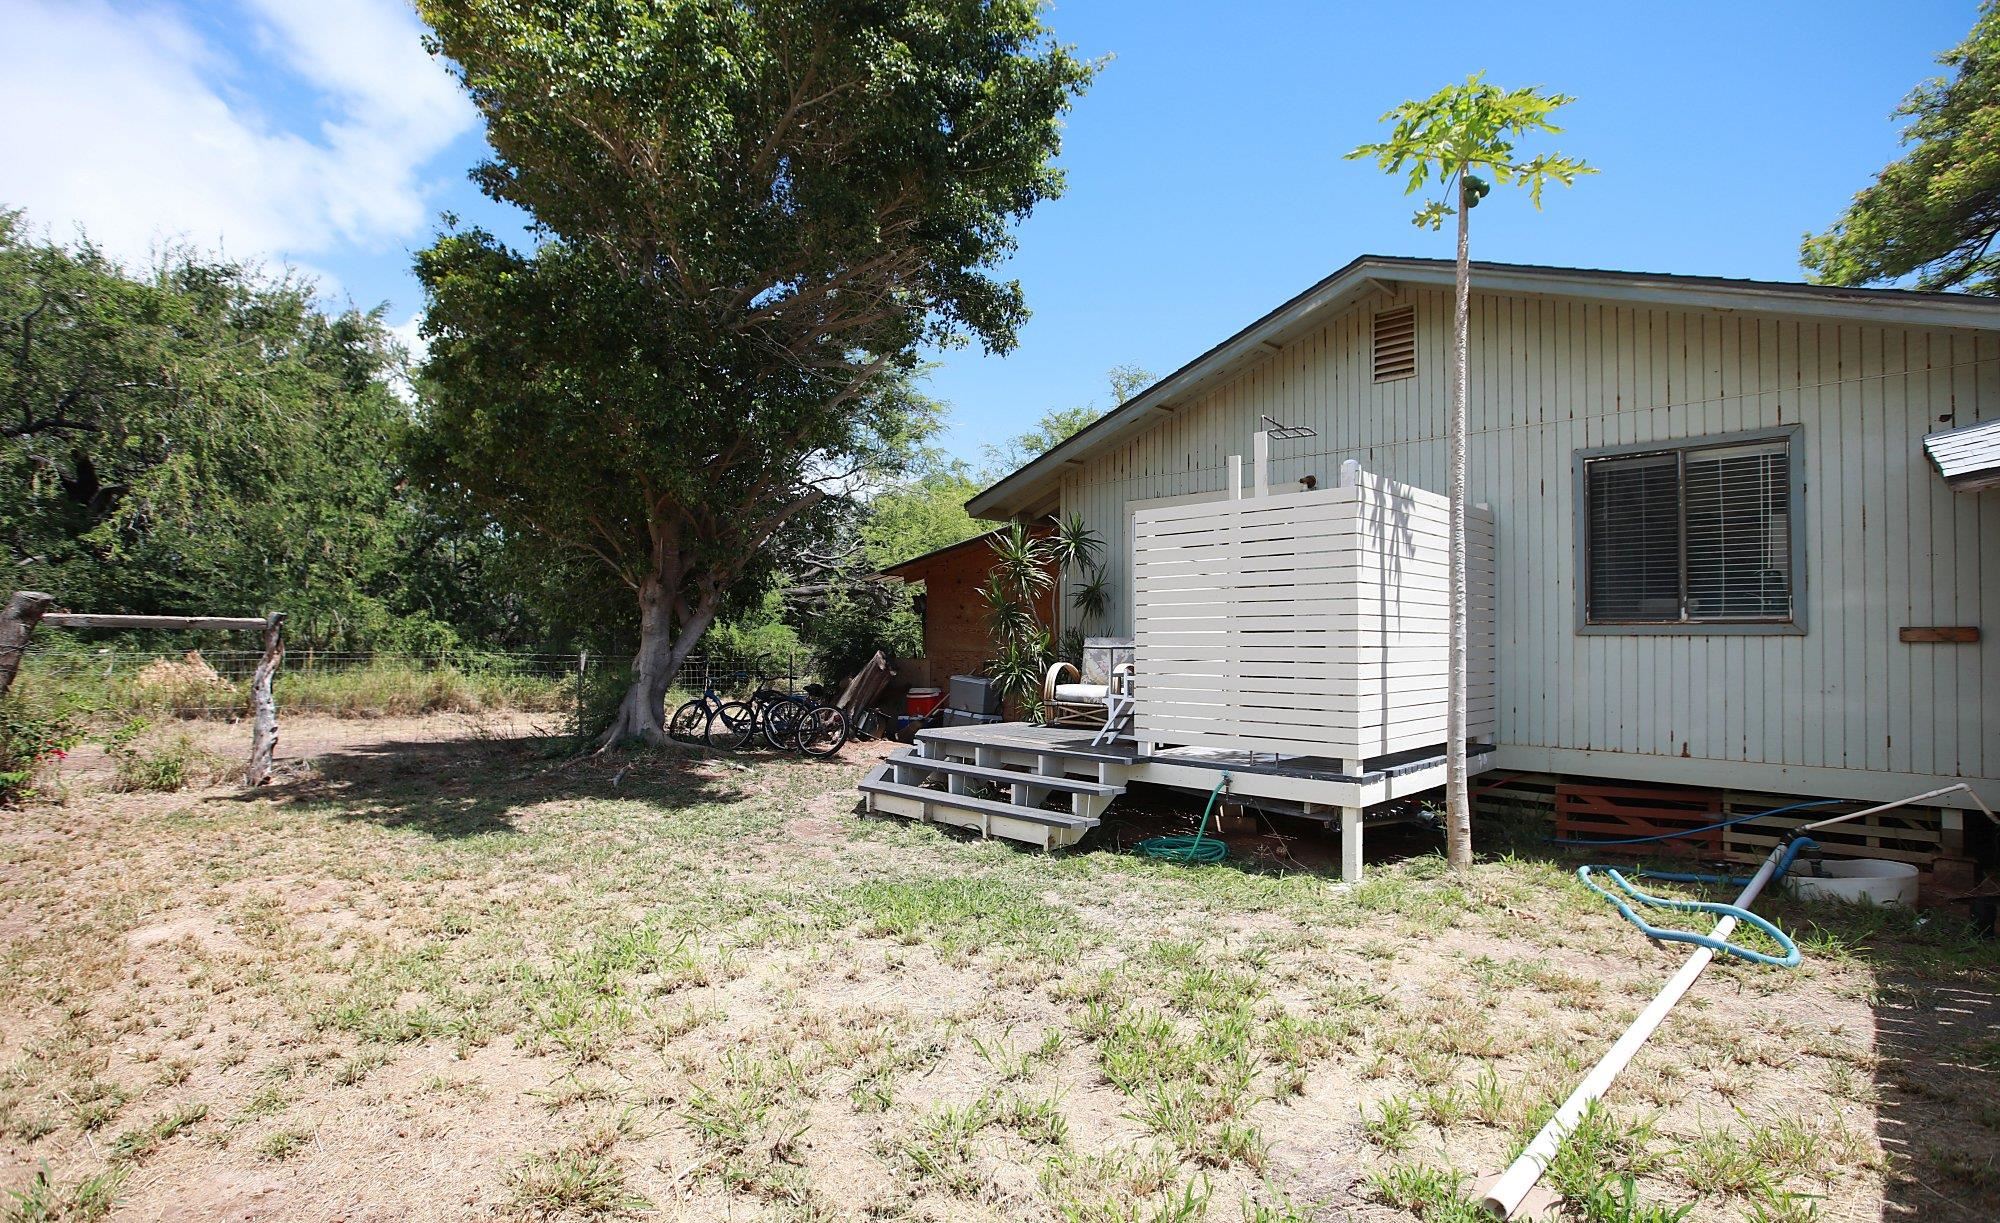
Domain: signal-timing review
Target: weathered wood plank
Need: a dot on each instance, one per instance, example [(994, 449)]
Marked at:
[(75, 620)]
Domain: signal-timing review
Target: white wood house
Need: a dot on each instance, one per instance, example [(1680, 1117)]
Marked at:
[(1725, 555)]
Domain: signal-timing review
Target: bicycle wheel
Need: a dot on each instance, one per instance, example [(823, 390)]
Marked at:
[(689, 723), (822, 731), (781, 724), (731, 727)]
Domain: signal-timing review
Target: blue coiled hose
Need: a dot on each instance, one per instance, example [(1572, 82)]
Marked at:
[(1790, 958)]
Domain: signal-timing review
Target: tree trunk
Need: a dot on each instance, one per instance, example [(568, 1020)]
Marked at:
[(642, 714), (1458, 802), (264, 705), (17, 624)]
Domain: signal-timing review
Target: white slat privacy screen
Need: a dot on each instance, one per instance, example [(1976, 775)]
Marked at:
[(1396, 344), (1307, 624), (1696, 535)]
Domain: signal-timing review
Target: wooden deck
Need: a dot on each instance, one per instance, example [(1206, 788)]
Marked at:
[(1059, 782)]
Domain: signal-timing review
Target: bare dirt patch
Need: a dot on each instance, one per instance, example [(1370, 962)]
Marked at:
[(432, 973)]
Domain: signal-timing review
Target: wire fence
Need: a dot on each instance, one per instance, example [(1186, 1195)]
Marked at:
[(135, 706)]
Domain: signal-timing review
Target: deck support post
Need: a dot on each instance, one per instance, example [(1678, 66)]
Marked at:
[(1350, 844)]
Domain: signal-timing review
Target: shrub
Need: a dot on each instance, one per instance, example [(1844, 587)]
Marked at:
[(33, 728), (174, 765)]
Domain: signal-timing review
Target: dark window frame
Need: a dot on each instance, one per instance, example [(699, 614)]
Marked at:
[(1792, 624)]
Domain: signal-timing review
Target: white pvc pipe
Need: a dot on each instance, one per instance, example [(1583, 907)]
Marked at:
[(1504, 1198)]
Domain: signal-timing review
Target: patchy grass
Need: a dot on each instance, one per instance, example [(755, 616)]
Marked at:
[(439, 979)]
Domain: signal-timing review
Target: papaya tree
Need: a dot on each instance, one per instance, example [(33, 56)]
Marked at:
[(1461, 137), (749, 216)]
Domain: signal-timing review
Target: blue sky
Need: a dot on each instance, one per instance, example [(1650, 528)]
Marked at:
[(1205, 178)]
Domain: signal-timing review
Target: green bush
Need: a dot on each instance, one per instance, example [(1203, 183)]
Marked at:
[(175, 765), (35, 726)]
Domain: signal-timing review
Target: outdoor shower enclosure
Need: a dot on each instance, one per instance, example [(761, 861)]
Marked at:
[(1307, 624)]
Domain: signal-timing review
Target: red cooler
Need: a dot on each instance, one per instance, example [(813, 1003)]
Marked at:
[(921, 702)]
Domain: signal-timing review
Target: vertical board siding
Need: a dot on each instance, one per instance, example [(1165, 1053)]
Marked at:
[(1886, 544)]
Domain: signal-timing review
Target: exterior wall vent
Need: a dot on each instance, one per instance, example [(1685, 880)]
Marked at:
[(1396, 344)]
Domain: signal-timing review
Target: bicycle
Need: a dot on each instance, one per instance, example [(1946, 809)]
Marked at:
[(778, 713), (822, 729), (697, 720)]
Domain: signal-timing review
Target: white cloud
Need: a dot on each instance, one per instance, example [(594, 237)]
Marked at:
[(128, 123)]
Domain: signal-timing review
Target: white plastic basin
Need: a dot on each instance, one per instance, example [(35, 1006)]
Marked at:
[(1859, 879)]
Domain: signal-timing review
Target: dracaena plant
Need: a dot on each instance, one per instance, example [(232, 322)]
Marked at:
[(1025, 567)]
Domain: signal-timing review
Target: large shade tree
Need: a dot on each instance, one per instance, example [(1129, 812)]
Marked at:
[(197, 435), (750, 216), (1459, 138), (1935, 212)]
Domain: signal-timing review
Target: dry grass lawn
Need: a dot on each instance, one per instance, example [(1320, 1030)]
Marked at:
[(434, 980)]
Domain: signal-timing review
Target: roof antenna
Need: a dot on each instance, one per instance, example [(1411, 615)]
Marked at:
[(1285, 433)]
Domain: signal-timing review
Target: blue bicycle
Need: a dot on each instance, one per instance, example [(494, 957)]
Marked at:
[(710, 719)]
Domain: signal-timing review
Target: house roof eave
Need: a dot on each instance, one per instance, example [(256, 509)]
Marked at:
[(1030, 483)]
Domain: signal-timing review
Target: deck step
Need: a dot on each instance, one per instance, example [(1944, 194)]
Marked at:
[(1072, 750), (965, 802), (958, 768)]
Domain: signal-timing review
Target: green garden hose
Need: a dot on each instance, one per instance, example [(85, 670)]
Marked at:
[(1195, 850)]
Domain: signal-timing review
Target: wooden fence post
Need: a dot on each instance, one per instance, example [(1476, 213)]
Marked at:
[(17, 624), (263, 705)]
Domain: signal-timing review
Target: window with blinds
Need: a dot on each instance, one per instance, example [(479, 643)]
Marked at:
[(1696, 535)]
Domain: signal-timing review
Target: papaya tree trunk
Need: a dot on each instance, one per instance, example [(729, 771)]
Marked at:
[(1458, 800)]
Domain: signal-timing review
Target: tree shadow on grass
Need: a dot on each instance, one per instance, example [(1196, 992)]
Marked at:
[(455, 788), (1936, 1066)]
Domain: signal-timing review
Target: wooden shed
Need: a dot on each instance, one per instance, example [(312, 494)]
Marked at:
[(956, 641)]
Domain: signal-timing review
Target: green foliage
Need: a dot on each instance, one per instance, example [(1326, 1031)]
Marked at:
[(1431, 1193), (179, 762), (176, 438), (34, 726), (753, 216), (1058, 425), (846, 629), (1934, 212), (1074, 545), (759, 641), (1021, 647), (42, 1200), (922, 515), (1463, 128), (1025, 566)]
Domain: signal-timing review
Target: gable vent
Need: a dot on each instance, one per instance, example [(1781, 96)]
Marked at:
[(1396, 344)]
